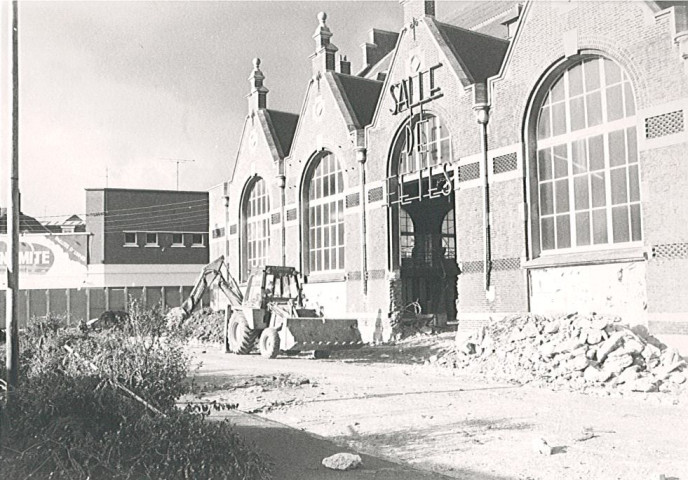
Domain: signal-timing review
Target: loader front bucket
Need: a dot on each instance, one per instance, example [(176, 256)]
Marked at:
[(315, 333)]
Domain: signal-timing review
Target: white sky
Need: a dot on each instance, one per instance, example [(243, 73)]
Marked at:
[(124, 85)]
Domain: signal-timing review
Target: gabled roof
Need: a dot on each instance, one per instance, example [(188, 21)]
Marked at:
[(362, 95), (481, 16), (380, 69), (668, 4), (482, 55), (27, 224), (284, 127)]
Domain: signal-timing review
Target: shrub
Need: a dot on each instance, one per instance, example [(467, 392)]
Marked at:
[(70, 419)]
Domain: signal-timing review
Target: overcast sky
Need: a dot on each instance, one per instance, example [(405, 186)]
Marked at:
[(125, 85)]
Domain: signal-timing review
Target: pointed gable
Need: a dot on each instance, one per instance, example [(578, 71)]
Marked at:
[(361, 96), (283, 127)]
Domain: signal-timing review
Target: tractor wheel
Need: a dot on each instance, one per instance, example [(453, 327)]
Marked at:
[(320, 354), (269, 343), (240, 338)]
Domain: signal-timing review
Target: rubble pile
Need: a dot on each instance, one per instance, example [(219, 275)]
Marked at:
[(575, 351), (206, 326)]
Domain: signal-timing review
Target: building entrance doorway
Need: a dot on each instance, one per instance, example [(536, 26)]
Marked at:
[(427, 256), (420, 188)]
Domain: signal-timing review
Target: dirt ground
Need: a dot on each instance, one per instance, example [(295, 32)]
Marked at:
[(389, 401)]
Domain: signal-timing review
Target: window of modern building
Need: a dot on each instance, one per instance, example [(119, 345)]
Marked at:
[(257, 225), (177, 240), (588, 187), (425, 142), (325, 197), (151, 239), (130, 239), (406, 230), (197, 240)]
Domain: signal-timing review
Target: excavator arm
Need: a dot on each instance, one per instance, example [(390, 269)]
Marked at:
[(215, 271)]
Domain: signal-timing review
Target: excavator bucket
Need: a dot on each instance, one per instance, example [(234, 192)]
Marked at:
[(316, 333)]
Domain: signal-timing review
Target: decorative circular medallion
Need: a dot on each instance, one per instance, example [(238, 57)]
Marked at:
[(318, 107), (414, 63)]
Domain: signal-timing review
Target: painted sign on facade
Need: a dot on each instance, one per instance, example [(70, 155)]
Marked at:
[(50, 261)]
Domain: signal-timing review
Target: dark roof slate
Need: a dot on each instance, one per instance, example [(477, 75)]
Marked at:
[(667, 4), (481, 54), (27, 224), (362, 94), (480, 16), (284, 125)]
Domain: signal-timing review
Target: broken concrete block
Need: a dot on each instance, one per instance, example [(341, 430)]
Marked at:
[(677, 377), (663, 371), (567, 345), (591, 353), (541, 446), (594, 337), (530, 330), (551, 327), (342, 461), (599, 323), (516, 336), (629, 374), (580, 362), (616, 365), (633, 346), (609, 345), (643, 384), (593, 374), (650, 351)]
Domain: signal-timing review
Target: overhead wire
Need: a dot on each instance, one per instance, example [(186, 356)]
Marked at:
[(128, 209)]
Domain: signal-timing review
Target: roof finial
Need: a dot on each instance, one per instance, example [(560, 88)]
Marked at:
[(256, 63), (322, 17)]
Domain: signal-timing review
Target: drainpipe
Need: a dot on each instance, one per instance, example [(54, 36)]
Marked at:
[(361, 156), (281, 183), (482, 114), (226, 236)]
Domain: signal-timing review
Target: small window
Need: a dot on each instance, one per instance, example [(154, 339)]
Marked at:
[(197, 240), (177, 240), (152, 239), (130, 239)]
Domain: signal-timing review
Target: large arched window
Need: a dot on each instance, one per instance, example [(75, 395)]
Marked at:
[(325, 194), (424, 142), (588, 188), (257, 225)]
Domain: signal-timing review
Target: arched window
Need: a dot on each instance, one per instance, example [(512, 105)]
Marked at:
[(325, 196), (257, 225), (407, 234), (449, 235), (424, 142), (588, 187)]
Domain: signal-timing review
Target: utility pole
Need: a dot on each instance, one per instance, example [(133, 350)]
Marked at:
[(178, 161), (12, 260)]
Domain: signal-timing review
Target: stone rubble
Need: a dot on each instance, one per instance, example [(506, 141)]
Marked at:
[(342, 461), (575, 351)]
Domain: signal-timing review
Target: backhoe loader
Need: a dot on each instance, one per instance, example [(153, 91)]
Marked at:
[(271, 312)]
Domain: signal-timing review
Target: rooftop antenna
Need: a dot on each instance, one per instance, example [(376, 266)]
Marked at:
[(178, 161)]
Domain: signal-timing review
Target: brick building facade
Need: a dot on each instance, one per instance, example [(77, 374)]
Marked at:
[(147, 245), (508, 157)]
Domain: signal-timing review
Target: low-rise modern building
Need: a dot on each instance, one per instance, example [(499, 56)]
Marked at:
[(504, 158), (148, 245)]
